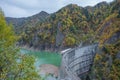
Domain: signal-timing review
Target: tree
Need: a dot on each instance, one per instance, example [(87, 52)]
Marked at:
[(70, 41), (106, 65), (13, 66)]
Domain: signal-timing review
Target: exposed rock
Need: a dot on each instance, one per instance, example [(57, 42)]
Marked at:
[(114, 38), (118, 55), (59, 37)]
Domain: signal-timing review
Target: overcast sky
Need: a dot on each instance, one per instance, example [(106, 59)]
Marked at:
[(24, 8)]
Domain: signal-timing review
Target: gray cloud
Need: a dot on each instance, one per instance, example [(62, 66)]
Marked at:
[(24, 8)]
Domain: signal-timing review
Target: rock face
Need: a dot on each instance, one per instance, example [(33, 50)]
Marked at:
[(47, 69), (60, 36), (118, 55), (115, 37)]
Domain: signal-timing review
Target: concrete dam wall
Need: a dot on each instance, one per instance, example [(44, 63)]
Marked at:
[(77, 62)]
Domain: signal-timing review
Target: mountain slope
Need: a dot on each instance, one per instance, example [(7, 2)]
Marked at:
[(76, 23), (72, 25), (107, 62), (20, 23)]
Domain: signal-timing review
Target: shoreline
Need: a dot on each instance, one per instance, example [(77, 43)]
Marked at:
[(37, 50)]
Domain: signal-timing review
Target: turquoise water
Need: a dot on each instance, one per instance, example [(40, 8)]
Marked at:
[(44, 57)]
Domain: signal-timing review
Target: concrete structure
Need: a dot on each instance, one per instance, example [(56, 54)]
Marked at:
[(77, 62)]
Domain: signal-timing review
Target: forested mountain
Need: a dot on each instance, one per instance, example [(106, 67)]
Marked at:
[(107, 62), (77, 24), (72, 25), (20, 23)]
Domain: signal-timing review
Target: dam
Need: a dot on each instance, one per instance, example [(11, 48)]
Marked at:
[(77, 62)]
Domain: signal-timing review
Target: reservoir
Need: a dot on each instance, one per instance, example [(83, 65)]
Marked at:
[(43, 57)]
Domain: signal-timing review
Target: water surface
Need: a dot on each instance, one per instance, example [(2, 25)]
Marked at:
[(43, 57)]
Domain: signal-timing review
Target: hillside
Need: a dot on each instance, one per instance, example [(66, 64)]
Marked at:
[(73, 23), (107, 62), (20, 23)]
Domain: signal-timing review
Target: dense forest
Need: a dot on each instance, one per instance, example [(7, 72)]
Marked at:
[(107, 62), (13, 65), (67, 27), (76, 24)]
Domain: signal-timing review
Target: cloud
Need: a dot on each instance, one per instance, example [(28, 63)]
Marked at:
[(24, 8), (11, 10)]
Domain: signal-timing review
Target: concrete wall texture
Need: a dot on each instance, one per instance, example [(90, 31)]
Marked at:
[(77, 62)]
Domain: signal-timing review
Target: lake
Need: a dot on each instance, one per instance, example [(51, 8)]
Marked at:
[(43, 57)]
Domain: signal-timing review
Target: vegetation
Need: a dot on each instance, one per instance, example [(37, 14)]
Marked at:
[(107, 65), (90, 24), (107, 62), (13, 66), (76, 22)]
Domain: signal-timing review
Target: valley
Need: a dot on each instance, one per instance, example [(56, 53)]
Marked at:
[(55, 45)]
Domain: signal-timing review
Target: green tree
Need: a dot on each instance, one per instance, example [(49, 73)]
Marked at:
[(106, 65), (70, 41), (13, 66)]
